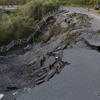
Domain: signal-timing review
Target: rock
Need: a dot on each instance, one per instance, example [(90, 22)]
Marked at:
[(58, 54), (66, 11), (40, 73), (75, 21), (28, 47), (64, 46), (40, 81), (92, 40), (1, 96), (3, 60), (5, 82), (41, 77), (68, 20), (50, 74), (10, 88), (58, 48), (57, 66), (94, 43), (50, 61), (3, 67), (40, 62), (1, 57), (46, 34)]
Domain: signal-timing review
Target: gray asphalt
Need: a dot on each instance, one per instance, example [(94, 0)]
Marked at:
[(78, 81)]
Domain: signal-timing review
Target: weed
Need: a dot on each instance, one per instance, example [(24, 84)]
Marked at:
[(39, 39), (63, 40)]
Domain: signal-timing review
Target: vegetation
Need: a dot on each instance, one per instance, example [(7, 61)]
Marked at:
[(78, 2), (62, 2), (63, 40), (13, 2), (19, 23)]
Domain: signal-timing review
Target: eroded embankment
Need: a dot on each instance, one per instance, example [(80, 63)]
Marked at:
[(44, 60)]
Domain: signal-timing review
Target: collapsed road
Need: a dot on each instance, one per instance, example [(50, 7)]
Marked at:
[(68, 50)]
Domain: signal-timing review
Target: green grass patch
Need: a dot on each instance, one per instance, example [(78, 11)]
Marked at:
[(63, 40)]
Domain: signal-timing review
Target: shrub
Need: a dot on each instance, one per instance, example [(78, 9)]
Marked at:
[(37, 9), (21, 22), (15, 27)]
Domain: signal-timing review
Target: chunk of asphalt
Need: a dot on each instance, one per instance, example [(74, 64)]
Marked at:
[(41, 77), (50, 61), (50, 74), (40, 81), (92, 40)]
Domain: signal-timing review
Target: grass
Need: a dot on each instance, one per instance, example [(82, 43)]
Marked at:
[(79, 17), (77, 5), (63, 40), (65, 30), (40, 39)]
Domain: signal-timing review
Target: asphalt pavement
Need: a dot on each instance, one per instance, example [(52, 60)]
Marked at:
[(78, 81)]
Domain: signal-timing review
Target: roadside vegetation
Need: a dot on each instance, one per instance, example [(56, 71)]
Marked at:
[(80, 3), (67, 35), (19, 23), (62, 2)]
